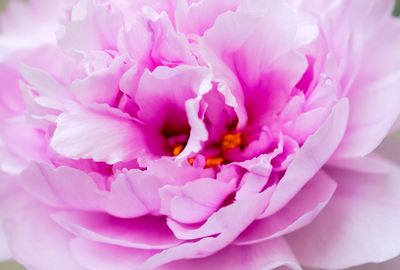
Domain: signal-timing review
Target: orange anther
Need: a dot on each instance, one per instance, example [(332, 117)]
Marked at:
[(212, 162), (191, 161), (177, 149), (231, 141)]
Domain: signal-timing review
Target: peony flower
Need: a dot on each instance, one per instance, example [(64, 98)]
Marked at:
[(232, 134)]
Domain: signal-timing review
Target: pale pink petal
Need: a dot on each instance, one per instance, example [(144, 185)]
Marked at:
[(97, 256), (11, 101), (200, 16), (36, 240), (174, 173), (219, 221), (169, 47), (274, 254), (141, 233), (93, 27), (306, 124), (101, 86), (195, 201), (29, 25), (5, 253), (248, 211), (43, 83), (251, 184), (134, 194), (20, 142), (299, 212), (373, 111), (62, 187), (104, 134), (310, 157), (359, 225)]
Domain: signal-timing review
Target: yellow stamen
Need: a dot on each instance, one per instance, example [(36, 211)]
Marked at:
[(177, 149), (212, 162), (231, 141), (191, 161)]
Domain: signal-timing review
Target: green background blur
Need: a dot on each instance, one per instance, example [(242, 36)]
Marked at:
[(13, 266)]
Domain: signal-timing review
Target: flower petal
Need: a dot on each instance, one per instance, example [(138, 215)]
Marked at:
[(310, 157), (373, 111), (243, 212), (141, 233), (134, 194), (299, 212), (162, 95), (195, 201), (104, 134), (5, 253), (359, 225), (37, 240), (62, 187), (267, 255), (97, 256)]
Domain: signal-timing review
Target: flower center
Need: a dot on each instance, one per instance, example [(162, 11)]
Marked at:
[(229, 141)]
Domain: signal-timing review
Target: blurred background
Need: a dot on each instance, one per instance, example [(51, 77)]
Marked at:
[(389, 147)]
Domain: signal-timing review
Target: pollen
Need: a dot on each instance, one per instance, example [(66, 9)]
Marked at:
[(231, 141), (191, 161), (177, 149), (212, 162)]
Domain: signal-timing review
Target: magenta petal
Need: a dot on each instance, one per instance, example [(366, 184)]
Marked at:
[(358, 226), (104, 134), (140, 233), (299, 212), (162, 95)]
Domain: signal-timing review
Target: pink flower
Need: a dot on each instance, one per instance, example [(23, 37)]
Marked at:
[(199, 134)]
